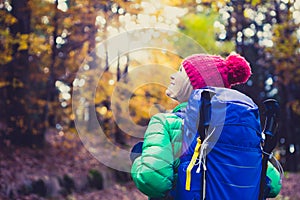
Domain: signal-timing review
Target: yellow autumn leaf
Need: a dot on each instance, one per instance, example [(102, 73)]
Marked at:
[(3, 84), (68, 22), (23, 42), (174, 2), (7, 18), (38, 44), (255, 2), (17, 83), (5, 59)]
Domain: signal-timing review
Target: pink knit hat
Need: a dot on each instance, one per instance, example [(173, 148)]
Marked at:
[(211, 70)]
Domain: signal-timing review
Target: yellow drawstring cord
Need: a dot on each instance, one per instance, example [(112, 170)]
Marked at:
[(191, 165)]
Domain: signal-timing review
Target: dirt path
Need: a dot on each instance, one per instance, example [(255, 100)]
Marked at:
[(117, 192), (66, 155), (290, 187), (289, 191)]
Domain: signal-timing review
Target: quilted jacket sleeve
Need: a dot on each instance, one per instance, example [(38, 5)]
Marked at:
[(153, 172)]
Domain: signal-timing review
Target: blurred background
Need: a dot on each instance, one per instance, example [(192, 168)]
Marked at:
[(44, 43)]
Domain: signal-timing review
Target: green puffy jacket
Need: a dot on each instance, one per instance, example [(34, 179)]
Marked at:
[(154, 172)]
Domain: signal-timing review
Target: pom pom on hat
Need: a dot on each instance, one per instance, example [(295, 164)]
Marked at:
[(211, 70), (239, 70)]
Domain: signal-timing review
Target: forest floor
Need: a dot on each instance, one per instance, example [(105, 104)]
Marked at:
[(61, 169)]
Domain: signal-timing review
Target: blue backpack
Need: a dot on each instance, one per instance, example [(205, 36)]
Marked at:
[(221, 154)]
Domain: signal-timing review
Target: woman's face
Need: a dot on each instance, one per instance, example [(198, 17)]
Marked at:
[(175, 83), (180, 87)]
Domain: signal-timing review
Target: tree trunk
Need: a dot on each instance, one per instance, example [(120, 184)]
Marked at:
[(23, 125)]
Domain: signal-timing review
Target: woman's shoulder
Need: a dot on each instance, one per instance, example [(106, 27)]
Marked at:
[(167, 121)]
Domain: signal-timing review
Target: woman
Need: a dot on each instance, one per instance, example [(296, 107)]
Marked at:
[(154, 171)]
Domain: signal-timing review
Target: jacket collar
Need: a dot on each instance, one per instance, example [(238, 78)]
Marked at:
[(180, 107)]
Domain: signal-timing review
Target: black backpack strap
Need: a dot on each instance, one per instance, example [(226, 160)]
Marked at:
[(204, 120), (270, 140), (205, 113)]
